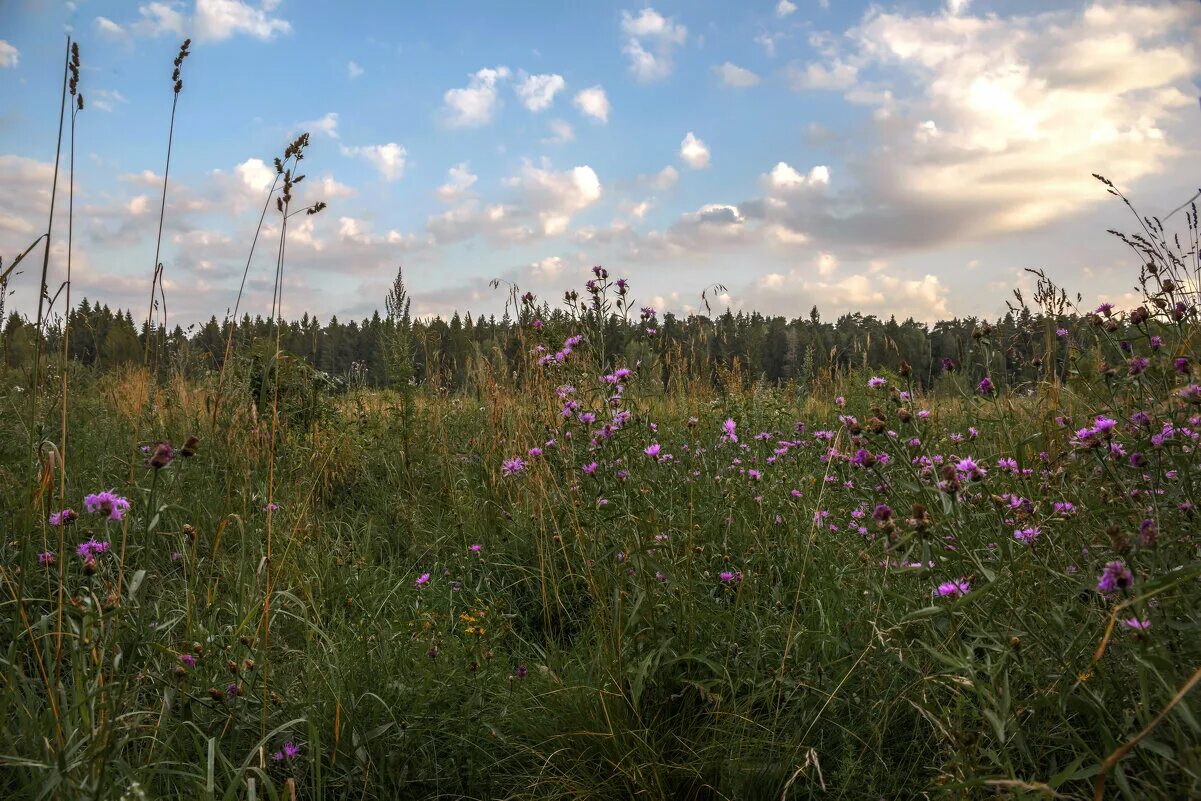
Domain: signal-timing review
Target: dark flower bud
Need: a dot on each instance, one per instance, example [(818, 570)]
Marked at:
[(190, 446), (163, 454)]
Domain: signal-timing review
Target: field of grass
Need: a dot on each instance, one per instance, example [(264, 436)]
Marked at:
[(567, 584), (573, 580)]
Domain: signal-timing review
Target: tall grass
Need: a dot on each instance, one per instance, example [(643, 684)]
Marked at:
[(571, 582)]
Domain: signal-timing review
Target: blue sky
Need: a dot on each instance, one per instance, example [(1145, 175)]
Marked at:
[(907, 158)]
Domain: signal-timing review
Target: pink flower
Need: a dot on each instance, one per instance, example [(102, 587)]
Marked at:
[(422, 579)]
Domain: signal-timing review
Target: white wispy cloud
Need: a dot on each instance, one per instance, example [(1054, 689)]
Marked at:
[(474, 105), (651, 40), (593, 102)]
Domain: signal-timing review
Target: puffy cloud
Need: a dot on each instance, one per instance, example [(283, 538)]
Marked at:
[(694, 152), (107, 27), (474, 105), (593, 102), (458, 183), (388, 159), (835, 75), (353, 70), (537, 92), (326, 124), (255, 175), (734, 75), (662, 35), (158, 19), (988, 125), (217, 20), (784, 8), (557, 196), (547, 269), (10, 56), (784, 178), (663, 180)]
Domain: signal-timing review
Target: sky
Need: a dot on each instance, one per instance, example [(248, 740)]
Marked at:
[(892, 158)]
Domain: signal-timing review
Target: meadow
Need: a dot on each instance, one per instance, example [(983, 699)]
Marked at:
[(570, 578)]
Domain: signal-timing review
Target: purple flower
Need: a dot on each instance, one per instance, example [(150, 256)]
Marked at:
[(1136, 624), (291, 750), (46, 558), (730, 576), (476, 548), (422, 579), (1138, 365), (876, 382), (1027, 536), (90, 548), (187, 660), (728, 430), (511, 467), (64, 518), (535, 452), (1116, 576), (590, 468), (1061, 332), (652, 450), (986, 386), (107, 504), (953, 589)]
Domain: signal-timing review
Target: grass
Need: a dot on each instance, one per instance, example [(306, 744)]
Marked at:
[(566, 582)]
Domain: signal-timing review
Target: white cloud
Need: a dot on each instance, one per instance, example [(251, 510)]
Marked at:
[(537, 92), (328, 188), (459, 181), (990, 124), (158, 19), (694, 152), (105, 99), (768, 42), (662, 35), (353, 70), (593, 102), (663, 180), (9, 55), (388, 159), (785, 178), (561, 132), (474, 105), (109, 28), (733, 75), (555, 197), (326, 124), (218, 20), (876, 292), (784, 8), (957, 7), (547, 269), (255, 175), (835, 75)]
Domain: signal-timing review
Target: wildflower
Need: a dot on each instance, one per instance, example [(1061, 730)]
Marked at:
[(64, 518), (590, 468), (1027, 536), (422, 579), (163, 454), (291, 750), (47, 558), (876, 382), (107, 503), (1182, 365), (1116, 576), (91, 548), (1138, 365), (953, 589), (1061, 332), (522, 671), (730, 576), (271, 507), (187, 660), (652, 450), (1136, 624), (728, 430), (476, 548), (986, 386), (511, 467)]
